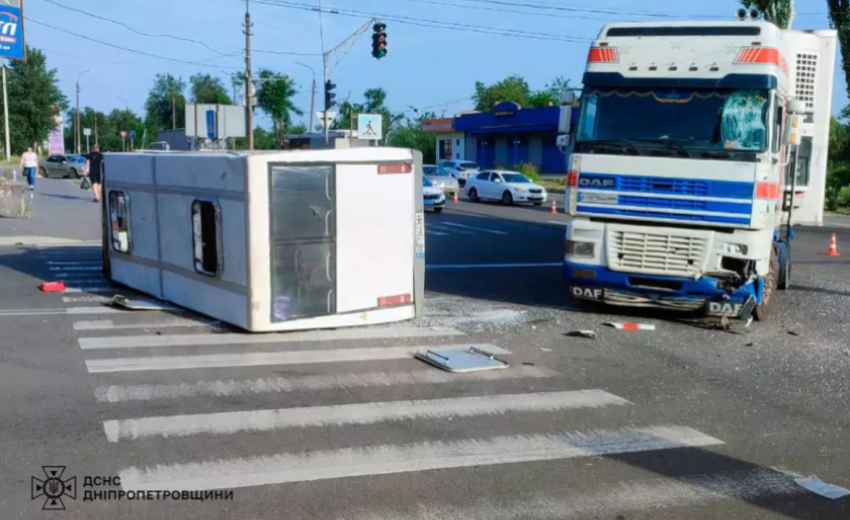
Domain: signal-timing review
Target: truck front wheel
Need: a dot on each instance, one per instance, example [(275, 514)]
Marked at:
[(784, 281), (762, 310)]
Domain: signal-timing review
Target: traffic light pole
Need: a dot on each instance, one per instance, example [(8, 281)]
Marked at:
[(325, 113), (249, 103)]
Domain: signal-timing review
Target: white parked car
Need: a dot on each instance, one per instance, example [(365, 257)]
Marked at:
[(434, 197), (508, 187), (460, 170)]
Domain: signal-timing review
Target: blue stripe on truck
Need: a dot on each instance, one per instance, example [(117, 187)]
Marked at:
[(662, 214), (738, 208), (667, 186)]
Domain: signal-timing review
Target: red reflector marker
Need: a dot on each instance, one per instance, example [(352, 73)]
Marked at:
[(395, 168), (763, 55), (603, 55), (767, 190), (388, 301), (572, 179)]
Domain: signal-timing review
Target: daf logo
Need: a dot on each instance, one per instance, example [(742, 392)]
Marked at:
[(596, 182), (724, 308), (587, 293)]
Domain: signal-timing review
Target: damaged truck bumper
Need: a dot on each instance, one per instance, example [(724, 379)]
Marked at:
[(707, 295)]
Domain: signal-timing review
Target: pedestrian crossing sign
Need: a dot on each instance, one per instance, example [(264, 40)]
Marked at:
[(370, 126)]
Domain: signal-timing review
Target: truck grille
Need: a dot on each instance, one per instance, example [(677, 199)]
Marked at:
[(637, 252)]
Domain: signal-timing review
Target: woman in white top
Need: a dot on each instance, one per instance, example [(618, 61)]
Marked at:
[(29, 162)]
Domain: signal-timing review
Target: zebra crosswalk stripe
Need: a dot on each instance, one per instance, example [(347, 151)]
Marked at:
[(358, 413), (391, 459)]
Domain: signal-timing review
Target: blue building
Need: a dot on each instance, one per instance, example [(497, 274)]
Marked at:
[(505, 137)]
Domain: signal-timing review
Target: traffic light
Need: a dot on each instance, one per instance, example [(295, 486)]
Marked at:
[(379, 40), (330, 95)]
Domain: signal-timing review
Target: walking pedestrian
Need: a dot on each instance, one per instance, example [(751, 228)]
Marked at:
[(29, 162), (95, 166)]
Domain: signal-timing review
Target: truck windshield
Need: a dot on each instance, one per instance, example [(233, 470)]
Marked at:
[(724, 119)]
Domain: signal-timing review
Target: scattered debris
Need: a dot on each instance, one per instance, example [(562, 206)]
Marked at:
[(53, 286), (793, 333), (749, 344), (138, 305), (526, 363), (550, 350), (581, 334), (847, 352), (631, 326), (816, 485), (462, 361)]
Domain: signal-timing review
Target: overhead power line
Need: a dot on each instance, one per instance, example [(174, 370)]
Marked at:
[(127, 49), (499, 31), (591, 10), (134, 30)]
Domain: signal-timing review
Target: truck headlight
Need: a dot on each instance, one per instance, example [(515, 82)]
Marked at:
[(572, 247)]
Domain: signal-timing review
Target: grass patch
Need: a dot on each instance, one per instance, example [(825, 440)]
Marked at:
[(552, 184)]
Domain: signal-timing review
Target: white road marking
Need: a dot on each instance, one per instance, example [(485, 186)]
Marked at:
[(78, 274), (359, 413), (446, 267), (97, 263), (484, 230), (67, 310), (450, 230), (436, 233), (86, 299), (110, 325), (76, 268), (73, 290), (220, 388), (153, 341), (390, 459), (690, 491), (249, 359)]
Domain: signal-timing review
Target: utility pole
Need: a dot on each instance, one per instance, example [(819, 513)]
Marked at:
[(6, 115), (174, 110), (792, 14), (96, 140), (249, 103), (312, 97), (78, 140)]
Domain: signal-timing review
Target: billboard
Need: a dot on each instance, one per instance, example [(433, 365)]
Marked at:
[(12, 30), (56, 142), (215, 121)]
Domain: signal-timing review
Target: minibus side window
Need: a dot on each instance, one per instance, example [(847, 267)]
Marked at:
[(119, 221), (206, 234)]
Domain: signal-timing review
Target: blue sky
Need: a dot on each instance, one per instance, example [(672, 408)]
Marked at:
[(426, 67)]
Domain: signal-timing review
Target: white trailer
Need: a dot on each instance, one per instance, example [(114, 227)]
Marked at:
[(271, 241)]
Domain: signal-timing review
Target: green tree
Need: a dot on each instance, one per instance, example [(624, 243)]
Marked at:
[(375, 103), (158, 108), (513, 88), (410, 135), (777, 12), (34, 100), (274, 97), (551, 95), (208, 89), (124, 120), (838, 162), (89, 118), (839, 17)]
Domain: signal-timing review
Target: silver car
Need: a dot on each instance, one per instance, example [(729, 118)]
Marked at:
[(62, 166), (441, 178)]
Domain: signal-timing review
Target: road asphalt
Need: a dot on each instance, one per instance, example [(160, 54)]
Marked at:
[(685, 421)]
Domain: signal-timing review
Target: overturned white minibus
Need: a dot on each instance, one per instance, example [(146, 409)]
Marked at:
[(271, 241)]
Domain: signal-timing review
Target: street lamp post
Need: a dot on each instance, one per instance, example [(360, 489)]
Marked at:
[(78, 140), (312, 96)]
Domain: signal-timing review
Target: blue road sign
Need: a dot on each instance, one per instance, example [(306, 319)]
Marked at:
[(132, 134), (211, 133), (12, 31)]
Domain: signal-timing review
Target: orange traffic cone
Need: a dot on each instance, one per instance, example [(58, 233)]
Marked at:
[(833, 247), (455, 198), (554, 208)]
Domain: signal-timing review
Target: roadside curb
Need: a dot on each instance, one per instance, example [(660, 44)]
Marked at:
[(45, 241)]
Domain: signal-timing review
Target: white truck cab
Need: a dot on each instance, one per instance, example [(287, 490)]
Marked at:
[(692, 142)]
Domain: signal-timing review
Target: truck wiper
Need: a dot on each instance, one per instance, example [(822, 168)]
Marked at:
[(719, 154), (672, 144), (628, 144)]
